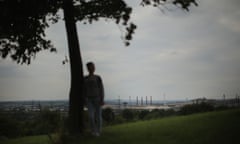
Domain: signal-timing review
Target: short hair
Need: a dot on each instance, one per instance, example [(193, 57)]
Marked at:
[(90, 64)]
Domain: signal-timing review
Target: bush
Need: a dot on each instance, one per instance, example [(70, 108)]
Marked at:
[(142, 114), (9, 127), (155, 113), (108, 115), (128, 114), (196, 108), (169, 112), (46, 122), (16, 124), (152, 115)]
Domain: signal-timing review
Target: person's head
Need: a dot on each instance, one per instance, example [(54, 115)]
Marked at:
[(90, 67)]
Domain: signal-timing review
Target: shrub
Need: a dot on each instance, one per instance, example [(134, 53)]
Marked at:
[(169, 112), (155, 113), (196, 108), (9, 127), (108, 115), (47, 122), (152, 115), (128, 114), (142, 114), (15, 124)]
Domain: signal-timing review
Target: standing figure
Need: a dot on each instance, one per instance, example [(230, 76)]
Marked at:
[(94, 99)]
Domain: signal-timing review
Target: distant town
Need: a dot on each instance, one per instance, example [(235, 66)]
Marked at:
[(116, 104)]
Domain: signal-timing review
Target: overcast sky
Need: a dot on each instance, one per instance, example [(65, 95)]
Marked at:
[(174, 53)]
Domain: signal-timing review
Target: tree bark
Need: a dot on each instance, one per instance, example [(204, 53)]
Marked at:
[(76, 100)]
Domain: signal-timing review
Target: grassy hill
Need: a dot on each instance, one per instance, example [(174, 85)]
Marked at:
[(221, 127)]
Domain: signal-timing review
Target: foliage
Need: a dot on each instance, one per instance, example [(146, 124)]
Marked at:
[(22, 27), (117, 10), (9, 127), (220, 127), (142, 114), (196, 108), (46, 122), (185, 4), (128, 114), (108, 115), (156, 113), (23, 124), (23, 22), (16, 124)]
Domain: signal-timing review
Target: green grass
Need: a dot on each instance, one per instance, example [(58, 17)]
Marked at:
[(43, 139), (206, 128)]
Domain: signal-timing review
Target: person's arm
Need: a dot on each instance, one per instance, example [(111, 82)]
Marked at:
[(101, 91)]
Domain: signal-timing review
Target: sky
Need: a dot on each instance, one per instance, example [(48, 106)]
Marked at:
[(174, 54)]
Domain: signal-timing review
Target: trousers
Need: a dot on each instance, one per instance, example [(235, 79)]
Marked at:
[(95, 115)]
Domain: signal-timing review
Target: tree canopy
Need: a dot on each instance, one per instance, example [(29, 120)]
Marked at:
[(23, 22)]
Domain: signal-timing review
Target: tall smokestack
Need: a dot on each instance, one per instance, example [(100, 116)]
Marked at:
[(146, 101), (150, 100), (129, 101), (137, 100)]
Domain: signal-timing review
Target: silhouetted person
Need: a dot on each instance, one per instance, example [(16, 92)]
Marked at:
[(94, 99)]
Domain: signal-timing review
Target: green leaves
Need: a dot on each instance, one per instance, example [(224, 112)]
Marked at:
[(185, 4), (22, 28), (23, 22), (117, 10)]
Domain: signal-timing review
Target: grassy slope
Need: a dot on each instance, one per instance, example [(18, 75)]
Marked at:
[(207, 128), (28, 140)]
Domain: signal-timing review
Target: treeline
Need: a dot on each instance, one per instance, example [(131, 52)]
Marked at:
[(17, 124), (131, 115)]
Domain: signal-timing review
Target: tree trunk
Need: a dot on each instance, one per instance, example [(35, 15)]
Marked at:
[(76, 100)]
